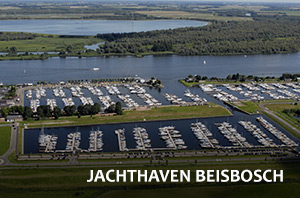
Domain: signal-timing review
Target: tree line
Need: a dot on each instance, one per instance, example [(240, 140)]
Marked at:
[(263, 35), (45, 111)]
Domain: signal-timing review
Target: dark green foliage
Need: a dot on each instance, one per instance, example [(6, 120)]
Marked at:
[(115, 108), (119, 110), (44, 111), (70, 110), (14, 110), (89, 109), (27, 113), (265, 35), (56, 112)]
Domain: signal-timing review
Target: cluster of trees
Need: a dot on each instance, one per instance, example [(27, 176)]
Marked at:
[(293, 77), (295, 112), (12, 110), (44, 111), (264, 35), (115, 108)]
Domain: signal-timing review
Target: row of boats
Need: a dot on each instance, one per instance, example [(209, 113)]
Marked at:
[(59, 92), (121, 139), (195, 98), (34, 104), (254, 91), (106, 101), (94, 90), (204, 135), (68, 101), (174, 99), (233, 136), (112, 90), (141, 138), (86, 101), (149, 99), (73, 142), (47, 143), (135, 89), (76, 91), (258, 134), (129, 102), (51, 103), (95, 141), (172, 138), (276, 132)]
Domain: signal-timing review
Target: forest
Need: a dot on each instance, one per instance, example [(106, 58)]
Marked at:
[(265, 35)]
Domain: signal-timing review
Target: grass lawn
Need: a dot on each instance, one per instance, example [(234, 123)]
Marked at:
[(263, 190), (71, 182), (4, 139), (281, 107), (160, 113), (44, 43), (250, 107), (191, 15)]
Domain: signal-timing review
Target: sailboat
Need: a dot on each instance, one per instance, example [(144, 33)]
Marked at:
[(42, 135), (204, 62)]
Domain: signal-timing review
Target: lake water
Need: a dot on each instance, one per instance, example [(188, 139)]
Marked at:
[(167, 68), (92, 27)]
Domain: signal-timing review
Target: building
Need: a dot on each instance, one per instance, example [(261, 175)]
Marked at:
[(14, 118)]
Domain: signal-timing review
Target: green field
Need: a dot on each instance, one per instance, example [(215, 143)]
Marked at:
[(245, 191), (281, 107), (71, 182), (191, 15), (249, 107), (160, 113), (48, 43), (4, 139)]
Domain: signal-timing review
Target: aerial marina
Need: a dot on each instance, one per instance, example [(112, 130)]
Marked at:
[(261, 137), (73, 142), (95, 141), (232, 135), (277, 133), (172, 137), (121, 139), (204, 135), (141, 138)]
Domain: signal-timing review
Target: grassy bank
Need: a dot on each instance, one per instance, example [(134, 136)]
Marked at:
[(71, 182), (4, 139), (160, 113), (249, 107)]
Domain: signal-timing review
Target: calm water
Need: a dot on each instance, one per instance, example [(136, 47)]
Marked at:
[(92, 27), (111, 142), (167, 68)]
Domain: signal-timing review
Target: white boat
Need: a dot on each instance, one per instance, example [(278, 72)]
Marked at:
[(95, 68)]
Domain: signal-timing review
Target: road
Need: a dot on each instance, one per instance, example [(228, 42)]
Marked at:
[(13, 144)]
